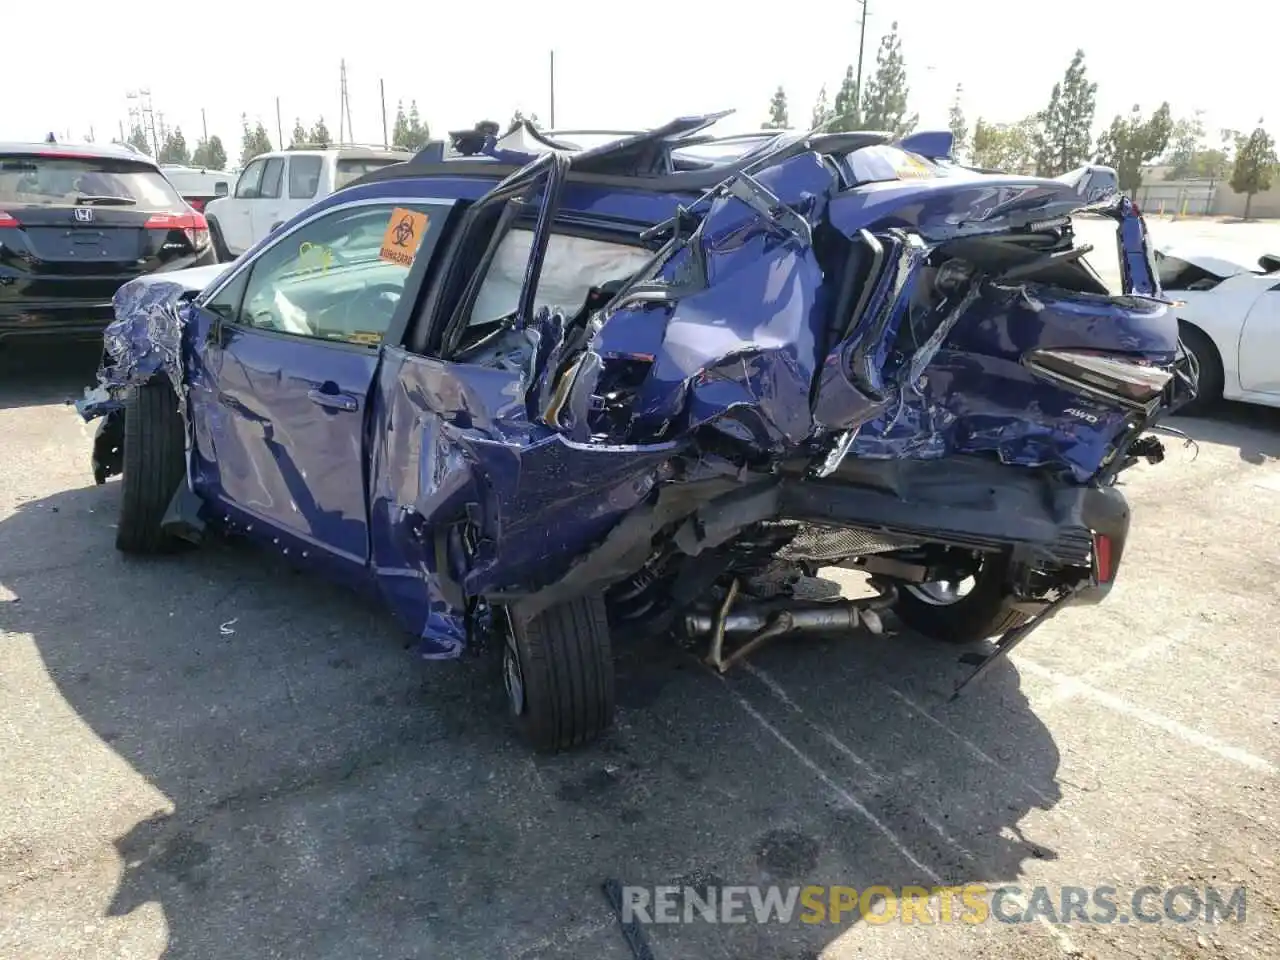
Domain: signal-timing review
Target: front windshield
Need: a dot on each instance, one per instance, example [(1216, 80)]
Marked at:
[(47, 181)]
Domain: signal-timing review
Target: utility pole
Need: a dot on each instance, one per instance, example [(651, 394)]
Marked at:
[(204, 127), (279, 126), (344, 107), (553, 89), (382, 94), (862, 43)]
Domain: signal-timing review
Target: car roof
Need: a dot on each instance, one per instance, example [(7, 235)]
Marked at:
[(106, 151)]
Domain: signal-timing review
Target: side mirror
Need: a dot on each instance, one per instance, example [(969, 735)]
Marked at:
[(220, 189)]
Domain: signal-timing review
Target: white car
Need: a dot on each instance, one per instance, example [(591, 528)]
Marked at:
[(1230, 321), (274, 187)]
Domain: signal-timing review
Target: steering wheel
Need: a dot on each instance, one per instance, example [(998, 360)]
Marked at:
[(371, 307)]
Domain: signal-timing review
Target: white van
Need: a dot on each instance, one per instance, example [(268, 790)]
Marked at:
[(274, 187)]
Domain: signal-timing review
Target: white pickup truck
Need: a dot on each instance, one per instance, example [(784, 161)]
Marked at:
[(275, 186)]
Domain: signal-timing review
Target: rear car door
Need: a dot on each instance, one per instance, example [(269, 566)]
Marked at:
[(1260, 343), (282, 378), (75, 226)]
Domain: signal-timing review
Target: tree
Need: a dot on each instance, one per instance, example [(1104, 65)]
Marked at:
[(822, 112), (1007, 147), (846, 112), (210, 154), (884, 104), (138, 138), (777, 111), (1062, 143), (253, 140), (174, 148), (299, 135), (319, 135), (409, 132), (520, 117), (1133, 141), (1255, 164), (959, 127)]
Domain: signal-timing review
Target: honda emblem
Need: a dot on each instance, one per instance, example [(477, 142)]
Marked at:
[(84, 214)]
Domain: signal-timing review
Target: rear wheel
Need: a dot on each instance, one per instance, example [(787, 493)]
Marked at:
[(1212, 379), (153, 467), (962, 611), (558, 671)]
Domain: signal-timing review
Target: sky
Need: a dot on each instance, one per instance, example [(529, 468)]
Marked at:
[(616, 65)]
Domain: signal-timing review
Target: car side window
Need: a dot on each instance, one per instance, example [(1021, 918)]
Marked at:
[(272, 174), (572, 266), (340, 276), (304, 177), (250, 180)]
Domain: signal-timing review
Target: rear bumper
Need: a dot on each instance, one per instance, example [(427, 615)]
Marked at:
[(978, 506), (75, 319)]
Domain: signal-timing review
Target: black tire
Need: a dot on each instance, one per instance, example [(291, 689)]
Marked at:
[(985, 611), (153, 468), (558, 670), (1211, 376), (220, 250)]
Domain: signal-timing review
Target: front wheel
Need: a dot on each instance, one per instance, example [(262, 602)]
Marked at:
[(962, 611), (152, 462), (558, 671)]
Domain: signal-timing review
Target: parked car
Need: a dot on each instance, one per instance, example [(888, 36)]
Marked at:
[(1230, 320), (198, 186), (76, 222), (556, 394), (274, 187)]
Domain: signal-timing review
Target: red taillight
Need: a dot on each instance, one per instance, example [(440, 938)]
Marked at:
[(1103, 565), (192, 224), (7, 221)]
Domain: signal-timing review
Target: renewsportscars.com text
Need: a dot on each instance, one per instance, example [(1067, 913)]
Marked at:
[(968, 904)]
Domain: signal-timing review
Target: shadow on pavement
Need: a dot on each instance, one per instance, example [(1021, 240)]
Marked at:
[(1253, 430), (334, 798), (34, 373)]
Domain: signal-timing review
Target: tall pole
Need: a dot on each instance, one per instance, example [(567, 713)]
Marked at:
[(862, 43), (382, 93), (279, 126), (204, 126), (553, 89)]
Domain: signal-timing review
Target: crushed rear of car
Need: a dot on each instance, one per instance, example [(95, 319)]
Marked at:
[(842, 352), (77, 223)]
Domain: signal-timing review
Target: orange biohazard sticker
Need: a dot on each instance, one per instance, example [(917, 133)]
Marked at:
[(405, 231)]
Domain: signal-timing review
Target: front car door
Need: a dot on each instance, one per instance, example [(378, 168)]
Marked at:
[(1260, 343), (236, 223), (269, 208), (288, 348)]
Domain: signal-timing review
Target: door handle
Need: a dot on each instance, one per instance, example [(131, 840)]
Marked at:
[(334, 401)]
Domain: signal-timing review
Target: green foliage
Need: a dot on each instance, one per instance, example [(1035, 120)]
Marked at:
[(958, 125), (299, 135), (884, 104), (778, 111), (822, 112), (174, 148), (1132, 141), (1255, 165), (1007, 147), (138, 138), (210, 154), (1062, 142), (253, 140), (319, 136), (409, 132), (846, 113)]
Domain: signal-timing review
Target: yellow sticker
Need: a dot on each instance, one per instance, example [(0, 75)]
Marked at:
[(913, 168), (404, 233), (314, 256), (365, 336)]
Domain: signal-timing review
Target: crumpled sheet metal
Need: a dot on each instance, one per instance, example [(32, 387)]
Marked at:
[(145, 339)]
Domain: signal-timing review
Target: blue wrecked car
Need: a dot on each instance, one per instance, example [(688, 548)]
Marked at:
[(528, 387)]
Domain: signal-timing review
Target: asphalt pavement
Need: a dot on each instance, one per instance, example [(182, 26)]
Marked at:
[(211, 755)]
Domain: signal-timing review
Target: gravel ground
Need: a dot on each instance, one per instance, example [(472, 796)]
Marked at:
[(212, 756)]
